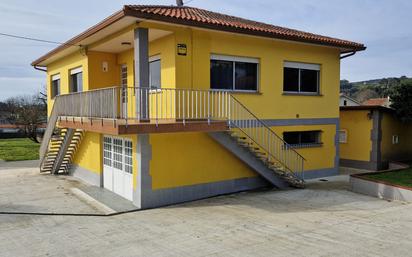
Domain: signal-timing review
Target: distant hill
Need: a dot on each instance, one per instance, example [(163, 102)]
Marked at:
[(374, 88)]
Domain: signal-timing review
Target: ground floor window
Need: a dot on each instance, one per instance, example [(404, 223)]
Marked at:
[(303, 138)]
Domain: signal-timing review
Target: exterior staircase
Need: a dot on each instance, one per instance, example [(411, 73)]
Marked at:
[(59, 145), (62, 148), (253, 135)]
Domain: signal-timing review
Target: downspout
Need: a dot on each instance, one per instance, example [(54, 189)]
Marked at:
[(347, 55)]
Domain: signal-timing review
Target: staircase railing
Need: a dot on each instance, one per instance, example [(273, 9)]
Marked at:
[(51, 125), (276, 149)]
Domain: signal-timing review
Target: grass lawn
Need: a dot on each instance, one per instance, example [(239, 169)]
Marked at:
[(400, 177), (18, 149)]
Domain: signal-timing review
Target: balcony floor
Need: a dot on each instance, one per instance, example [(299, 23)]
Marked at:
[(123, 127)]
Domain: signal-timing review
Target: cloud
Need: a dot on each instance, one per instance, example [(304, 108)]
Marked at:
[(384, 26), (13, 86)]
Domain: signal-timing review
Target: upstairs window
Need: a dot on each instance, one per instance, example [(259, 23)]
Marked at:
[(55, 86), (301, 78), (234, 73), (302, 138), (155, 72), (76, 80)]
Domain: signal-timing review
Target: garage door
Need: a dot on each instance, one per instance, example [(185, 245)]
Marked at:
[(118, 166)]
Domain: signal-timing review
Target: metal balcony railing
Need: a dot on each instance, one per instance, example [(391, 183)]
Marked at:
[(133, 104)]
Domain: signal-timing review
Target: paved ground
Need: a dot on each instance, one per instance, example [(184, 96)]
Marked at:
[(323, 220), (23, 189)]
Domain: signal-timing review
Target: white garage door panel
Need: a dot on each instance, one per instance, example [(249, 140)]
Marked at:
[(118, 171), (107, 163)]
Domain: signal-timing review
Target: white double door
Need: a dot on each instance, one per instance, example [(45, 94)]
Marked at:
[(118, 166)]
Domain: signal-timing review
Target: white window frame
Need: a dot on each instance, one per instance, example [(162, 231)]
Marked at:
[(73, 72), (305, 66), (234, 59), (154, 58), (54, 78), (76, 70), (345, 138)]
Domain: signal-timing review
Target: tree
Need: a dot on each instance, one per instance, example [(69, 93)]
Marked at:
[(401, 100), (28, 113)]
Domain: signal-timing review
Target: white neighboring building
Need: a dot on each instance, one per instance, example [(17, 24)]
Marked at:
[(345, 100)]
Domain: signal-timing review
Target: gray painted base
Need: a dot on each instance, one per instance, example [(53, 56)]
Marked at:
[(312, 174), (364, 164), (182, 194), (388, 192), (86, 175)]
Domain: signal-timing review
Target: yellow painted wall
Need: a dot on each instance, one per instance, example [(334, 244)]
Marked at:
[(89, 154), (97, 77), (358, 127), (318, 157), (63, 67), (182, 159), (393, 126), (270, 103)]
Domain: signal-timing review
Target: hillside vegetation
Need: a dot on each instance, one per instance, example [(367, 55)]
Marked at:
[(375, 88)]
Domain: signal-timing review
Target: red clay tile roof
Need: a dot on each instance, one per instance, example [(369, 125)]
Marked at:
[(196, 17), (202, 18), (376, 101)]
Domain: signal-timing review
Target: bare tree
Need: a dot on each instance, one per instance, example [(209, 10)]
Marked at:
[(28, 113)]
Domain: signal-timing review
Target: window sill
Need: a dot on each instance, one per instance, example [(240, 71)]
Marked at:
[(301, 94), (298, 146), (252, 92)]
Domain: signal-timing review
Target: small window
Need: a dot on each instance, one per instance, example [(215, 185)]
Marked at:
[(233, 73), (395, 139), (55, 86), (302, 138), (76, 80), (301, 78), (343, 136), (155, 72)]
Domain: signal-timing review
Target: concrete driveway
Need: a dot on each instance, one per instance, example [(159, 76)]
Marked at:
[(323, 220)]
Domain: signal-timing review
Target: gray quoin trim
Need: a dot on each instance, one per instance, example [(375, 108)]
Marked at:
[(376, 138)]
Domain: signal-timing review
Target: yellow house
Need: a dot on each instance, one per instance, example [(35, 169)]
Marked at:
[(164, 104), (371, 137)]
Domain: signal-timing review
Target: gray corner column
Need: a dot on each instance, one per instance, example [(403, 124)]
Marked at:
[(376, 137), (141, 67)]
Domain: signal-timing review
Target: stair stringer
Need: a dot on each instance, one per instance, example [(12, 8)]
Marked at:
[(248, 158)]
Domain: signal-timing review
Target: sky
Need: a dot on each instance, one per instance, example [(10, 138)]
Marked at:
[(384, 26)]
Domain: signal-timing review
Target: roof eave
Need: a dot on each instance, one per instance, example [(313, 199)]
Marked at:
[(75, 40)]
